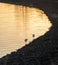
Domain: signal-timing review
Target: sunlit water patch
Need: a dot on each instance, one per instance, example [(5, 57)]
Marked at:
[(18, 23)]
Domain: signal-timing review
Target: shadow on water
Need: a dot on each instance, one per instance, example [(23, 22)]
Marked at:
[(43, 50)]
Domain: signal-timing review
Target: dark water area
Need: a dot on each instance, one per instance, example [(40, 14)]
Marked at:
[(43, 50)]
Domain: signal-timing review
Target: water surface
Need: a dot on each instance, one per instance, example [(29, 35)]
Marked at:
[(18, 23)]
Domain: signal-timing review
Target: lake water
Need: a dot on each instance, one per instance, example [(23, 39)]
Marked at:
[(18, 23)]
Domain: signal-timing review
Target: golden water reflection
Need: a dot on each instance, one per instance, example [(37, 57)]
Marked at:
[(20, 22)]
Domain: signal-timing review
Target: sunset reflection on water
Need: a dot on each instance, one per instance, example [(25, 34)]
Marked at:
[(18, 23)]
